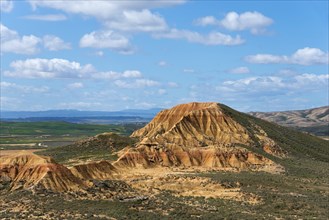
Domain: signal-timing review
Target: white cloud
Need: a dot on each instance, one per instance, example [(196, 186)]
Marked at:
[(253, 21), (305, 56), (116, 75), (76, 85), (11, 42), (103, 9), (107, 39), (139, 83), (22, 88), (138, 21), (47, 17), (130, 16), (240, 70), (264, 85), (60, 68), (48, 68), (54, 43), (6, 5), (131, 74), (208, 20), (213, 38)]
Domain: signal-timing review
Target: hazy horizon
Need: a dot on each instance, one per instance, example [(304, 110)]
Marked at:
[(112, 55)]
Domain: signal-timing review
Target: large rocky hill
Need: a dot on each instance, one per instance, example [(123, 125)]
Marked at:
[(200, 134)]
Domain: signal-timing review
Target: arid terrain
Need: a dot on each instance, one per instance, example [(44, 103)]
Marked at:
[(314, 121), (193, 161)]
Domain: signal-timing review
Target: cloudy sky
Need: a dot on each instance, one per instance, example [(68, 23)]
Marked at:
[(113, 55)]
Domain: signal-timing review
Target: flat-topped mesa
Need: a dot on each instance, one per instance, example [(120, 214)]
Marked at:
[(193, 125), (198, 134), (29, 171)]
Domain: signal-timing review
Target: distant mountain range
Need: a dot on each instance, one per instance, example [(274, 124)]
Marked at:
[(315, 121), (80, 116)]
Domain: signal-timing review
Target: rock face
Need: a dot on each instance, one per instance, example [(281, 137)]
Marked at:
[(193, 125), (99, 170), (30, 170), (198, 134)]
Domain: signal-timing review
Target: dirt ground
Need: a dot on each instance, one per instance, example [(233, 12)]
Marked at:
[(12, 152)]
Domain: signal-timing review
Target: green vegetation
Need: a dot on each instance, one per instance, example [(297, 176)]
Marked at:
[(99, 147), (297, 144), (56, 128), (54, 133)]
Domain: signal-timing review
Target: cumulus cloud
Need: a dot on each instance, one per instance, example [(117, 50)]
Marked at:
[(139, 83), (107, 39), (213, 38), (253, 21), (305, 56), (48, 68), (103, 9), (130, 16), (138, 21), (47, 17), (240, 70), (54, 43), (60, 68), (6, 5), (11, 42)]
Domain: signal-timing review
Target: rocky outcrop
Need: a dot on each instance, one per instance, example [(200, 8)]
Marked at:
[(193, 125), (29, 171), (198, 134), (208, 157), (98, 170)]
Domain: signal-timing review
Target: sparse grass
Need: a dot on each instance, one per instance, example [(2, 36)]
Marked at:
[(100, 148)]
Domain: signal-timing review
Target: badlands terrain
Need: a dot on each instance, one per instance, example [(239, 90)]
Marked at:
[(193, 161), (314, 121)]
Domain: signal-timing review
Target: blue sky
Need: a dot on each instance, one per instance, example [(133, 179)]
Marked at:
[(113, 55)]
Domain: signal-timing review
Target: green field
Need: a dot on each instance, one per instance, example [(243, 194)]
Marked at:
[(53, 134)]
